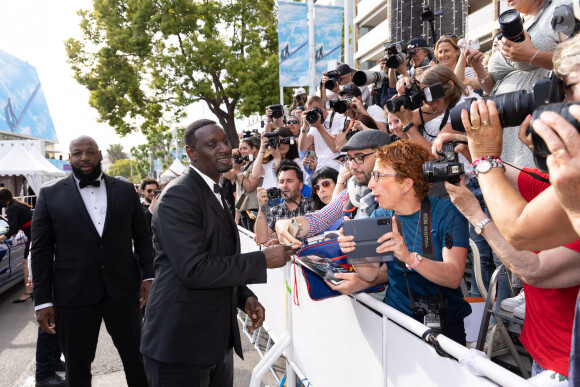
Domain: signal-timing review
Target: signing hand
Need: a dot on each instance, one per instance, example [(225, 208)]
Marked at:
[(256, 311)]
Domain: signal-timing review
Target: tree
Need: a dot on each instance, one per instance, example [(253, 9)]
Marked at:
[(115, 152), (144, 62), (123, 168), (160, 146)]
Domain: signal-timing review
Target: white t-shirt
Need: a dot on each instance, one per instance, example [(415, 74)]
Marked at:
[(323, 153), (377, 113), (270, 179)]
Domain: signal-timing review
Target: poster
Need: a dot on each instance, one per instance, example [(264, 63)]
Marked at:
[(293, 43)]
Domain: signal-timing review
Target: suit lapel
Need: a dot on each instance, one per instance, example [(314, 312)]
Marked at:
[(111, 188), (77, 202)]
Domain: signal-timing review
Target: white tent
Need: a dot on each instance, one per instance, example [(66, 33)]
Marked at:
[(176, 169), (20, 162)]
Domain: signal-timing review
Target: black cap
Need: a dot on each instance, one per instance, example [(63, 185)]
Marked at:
[(367, 139), (416, 42), (343, 69)]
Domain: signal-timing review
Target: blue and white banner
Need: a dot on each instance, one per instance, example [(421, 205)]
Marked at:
[(293, 43), (328, 37)]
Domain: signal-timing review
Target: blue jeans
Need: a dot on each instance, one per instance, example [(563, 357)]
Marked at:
[(489, 261)]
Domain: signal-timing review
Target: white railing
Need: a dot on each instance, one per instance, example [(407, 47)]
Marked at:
[(358, 341)]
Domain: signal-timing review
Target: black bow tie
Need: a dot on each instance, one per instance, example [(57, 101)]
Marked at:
[(96, 183), (217, 189)]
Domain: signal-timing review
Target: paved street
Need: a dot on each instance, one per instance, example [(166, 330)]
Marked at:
[(18, 332)]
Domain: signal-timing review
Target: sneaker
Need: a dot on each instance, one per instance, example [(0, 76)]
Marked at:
[(509, 304), (520, 311)]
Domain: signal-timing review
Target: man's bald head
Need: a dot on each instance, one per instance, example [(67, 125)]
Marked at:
[(83, 140)]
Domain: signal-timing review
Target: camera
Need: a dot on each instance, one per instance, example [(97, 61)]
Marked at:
[(339, 105), (541, 150), (447, 169), (511, 26), (333, 79), (365, 77), (274, 193), (429, 309), (249, 133), (395, 53), (239, 159), (277, 110), (314, 115), (274, 139), (564, 20), (414, 97), (156, 192), (514, 107)]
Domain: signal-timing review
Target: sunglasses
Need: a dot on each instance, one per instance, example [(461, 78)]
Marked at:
[(150, 190), (324, 183), (293, 122), (376, 175)]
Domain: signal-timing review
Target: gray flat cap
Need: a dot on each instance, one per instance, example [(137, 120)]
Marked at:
[(366, 139)]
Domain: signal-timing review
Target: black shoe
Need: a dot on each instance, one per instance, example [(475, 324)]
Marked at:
[(60, 366), (52, 381)]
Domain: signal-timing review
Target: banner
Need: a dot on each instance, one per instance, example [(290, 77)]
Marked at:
[(293, 43), (328, 37)]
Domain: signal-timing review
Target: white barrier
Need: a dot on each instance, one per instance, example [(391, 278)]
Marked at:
[(359, 341)]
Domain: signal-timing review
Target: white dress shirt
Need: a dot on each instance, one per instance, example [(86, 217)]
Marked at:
[(210, 183)]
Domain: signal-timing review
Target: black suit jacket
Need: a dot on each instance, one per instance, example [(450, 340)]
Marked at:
[(199, 277), (148, 217), (72, 264)]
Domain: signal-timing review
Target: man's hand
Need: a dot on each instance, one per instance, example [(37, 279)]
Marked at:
[(144, 292), (403, 84), (45, 318), (153, 203), (256, 311), (284, 236), (277, 256), (262, 195), (352, 283)]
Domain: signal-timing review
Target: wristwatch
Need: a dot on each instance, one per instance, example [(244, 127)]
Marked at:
[(418, 260), (485, 164), (479, 227)]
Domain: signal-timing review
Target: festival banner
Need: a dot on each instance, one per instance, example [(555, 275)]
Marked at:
[(328, 37), (293, 43)]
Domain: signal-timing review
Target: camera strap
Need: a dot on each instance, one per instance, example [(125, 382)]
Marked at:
[(426, 249)]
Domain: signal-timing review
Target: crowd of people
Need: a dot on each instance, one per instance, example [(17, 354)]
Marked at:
[(349, 153)]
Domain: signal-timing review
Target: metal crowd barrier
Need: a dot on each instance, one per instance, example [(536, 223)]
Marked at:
[(358, 341)]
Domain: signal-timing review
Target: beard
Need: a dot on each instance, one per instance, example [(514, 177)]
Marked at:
[(87, 178), (226, 169), (363, 179)]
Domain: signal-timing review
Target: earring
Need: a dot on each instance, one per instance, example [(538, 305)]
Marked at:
[(404, 193)]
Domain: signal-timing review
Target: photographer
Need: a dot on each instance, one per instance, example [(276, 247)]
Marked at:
[(419, 55), (416, 276), (274, 148), (319, 127), (352, 92), (519, 65), (359, 123), (294, 125), (342, 75), (290, 180), (274, 118), (246, 183), (299, 98)]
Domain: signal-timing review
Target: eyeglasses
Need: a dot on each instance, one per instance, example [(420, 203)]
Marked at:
[(150, 190), (324, 183), (376, 175), (357, 159), (293, 122)]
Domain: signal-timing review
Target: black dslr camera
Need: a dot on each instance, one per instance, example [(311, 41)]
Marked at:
[(429, 309), (447, 169), (274, 139), (514, 107), (277, 110), (414, 97), (395, 54), (249, 133), (239, 159), (314, 115), (333, 79), (339, 105), (274, 193)]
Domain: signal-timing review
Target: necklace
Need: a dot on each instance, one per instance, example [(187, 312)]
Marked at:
[(416, 231)]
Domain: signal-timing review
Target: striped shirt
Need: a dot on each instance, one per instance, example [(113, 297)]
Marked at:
[(322, 219)]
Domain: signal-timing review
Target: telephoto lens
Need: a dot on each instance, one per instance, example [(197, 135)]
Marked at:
[(510, 25)]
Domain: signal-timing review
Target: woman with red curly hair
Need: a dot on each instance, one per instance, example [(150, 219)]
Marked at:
[(423, 282)]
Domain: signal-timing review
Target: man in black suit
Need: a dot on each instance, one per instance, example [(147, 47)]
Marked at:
[(148, 187), (190, 324), (83, 231)]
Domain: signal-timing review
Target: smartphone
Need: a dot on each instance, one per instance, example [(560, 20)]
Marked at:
[(156, 192), (311, 154), (366, 232), (293, 228)]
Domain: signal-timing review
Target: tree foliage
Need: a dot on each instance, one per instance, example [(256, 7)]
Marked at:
[(161, 145), (115, 152), (145, 61), (123, 168)]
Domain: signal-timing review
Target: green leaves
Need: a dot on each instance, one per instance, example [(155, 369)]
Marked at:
[(145, 61)]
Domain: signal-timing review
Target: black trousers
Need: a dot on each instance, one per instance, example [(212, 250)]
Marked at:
[(160, 374), (47, 355), (78, 328)]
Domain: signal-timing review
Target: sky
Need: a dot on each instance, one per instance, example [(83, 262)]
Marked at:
[(35, 31)]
